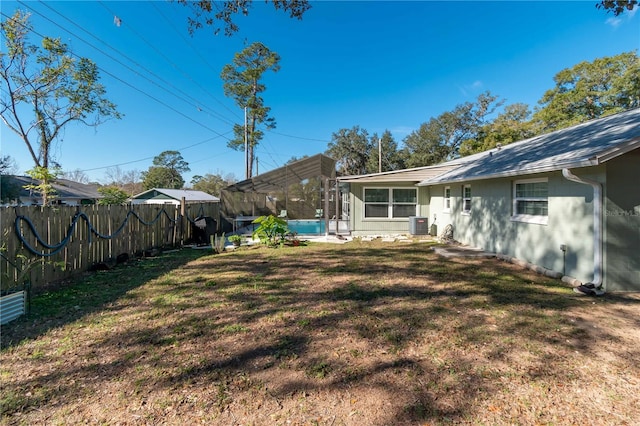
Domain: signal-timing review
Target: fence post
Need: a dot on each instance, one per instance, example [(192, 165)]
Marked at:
[(326, 206), (183, 208)]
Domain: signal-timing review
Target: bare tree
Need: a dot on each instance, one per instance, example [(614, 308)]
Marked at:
[(76, 175), (129, 181)]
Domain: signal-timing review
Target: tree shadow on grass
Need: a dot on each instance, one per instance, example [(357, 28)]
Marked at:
[(92, 292), (429, 336)]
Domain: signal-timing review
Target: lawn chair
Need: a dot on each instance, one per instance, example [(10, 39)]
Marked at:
[(319, 213), (283, 214)]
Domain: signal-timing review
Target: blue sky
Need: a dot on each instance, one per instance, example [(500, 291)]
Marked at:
[(375, 64)]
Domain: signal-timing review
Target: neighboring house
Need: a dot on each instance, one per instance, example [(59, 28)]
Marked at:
[(568, 201), (173, 196), (67, 192)]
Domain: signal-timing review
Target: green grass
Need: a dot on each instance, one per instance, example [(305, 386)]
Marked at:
[(365, 333)]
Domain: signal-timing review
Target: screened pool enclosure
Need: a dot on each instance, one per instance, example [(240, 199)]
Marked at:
[(303, 192)]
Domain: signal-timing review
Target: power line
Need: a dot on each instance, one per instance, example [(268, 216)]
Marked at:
[(164, 88), (150, 158), (197, 53), (163, 56), (298, 137), (152, 97), (203, 60), (118, 78)]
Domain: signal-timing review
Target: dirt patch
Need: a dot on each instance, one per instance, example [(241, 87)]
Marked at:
[(355, 334)]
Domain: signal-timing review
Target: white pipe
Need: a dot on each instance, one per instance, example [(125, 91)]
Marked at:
[(597, 223)]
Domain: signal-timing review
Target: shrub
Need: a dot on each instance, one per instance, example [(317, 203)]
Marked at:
[(271, 230), (217, 243)]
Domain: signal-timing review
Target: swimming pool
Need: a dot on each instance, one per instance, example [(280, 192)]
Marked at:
[(306, 226)]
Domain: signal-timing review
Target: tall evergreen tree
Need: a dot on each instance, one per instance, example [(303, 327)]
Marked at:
[(242, 82)]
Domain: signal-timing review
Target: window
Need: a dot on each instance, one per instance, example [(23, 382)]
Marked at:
[(386, 203), (466, 199), (447, 199), (531, 200), (376, 202)]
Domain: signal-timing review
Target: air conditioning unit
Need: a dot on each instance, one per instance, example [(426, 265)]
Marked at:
[(418, 225)]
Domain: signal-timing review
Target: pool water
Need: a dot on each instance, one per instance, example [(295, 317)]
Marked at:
[(306, 227)]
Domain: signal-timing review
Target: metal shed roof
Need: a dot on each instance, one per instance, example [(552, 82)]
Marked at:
[(190, 196), (277, 179), (587, 144)]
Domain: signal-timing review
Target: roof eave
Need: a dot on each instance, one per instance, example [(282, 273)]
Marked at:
[(618, 150), (514, 173)]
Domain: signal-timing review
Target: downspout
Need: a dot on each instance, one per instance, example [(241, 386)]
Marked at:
[(594, 287)]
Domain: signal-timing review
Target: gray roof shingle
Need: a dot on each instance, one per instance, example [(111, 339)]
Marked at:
[(586, 144)]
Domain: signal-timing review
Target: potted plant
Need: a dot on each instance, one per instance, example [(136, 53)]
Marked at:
[(236, 240)]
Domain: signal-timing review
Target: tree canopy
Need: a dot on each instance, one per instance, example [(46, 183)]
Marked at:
[(511, 125), (221, 15), (76, 175), (387, 157), (351, 149), (212, 183), (591, 90), (441, 138), (166, 171), (112, 195), (583, 92), (172, 160), (129, 181), (242, 82), (42, 183), (9, 190), (617, 7)]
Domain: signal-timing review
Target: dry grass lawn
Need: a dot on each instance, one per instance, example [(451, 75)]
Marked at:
[(356, 334)]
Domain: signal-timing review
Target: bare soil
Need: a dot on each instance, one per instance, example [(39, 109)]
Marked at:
[(357, 334)]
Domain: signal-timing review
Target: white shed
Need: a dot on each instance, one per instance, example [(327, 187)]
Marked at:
[(173, 196)]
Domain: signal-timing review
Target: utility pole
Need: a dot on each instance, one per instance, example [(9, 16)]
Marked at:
[(379, 155)]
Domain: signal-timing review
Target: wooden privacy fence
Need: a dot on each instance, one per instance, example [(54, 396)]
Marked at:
[(46, 244)]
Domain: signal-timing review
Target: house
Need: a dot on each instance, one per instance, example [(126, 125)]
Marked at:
[(173, 196), (568, 201), (67, 192)]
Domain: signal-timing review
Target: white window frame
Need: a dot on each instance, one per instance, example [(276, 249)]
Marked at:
[(390, 204), (466, 211), (446, 200), (529, 218)]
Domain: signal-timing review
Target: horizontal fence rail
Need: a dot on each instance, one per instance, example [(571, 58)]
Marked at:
[(41, 245)]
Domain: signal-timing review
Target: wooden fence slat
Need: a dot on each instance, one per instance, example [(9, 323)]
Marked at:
[(53, 223)]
